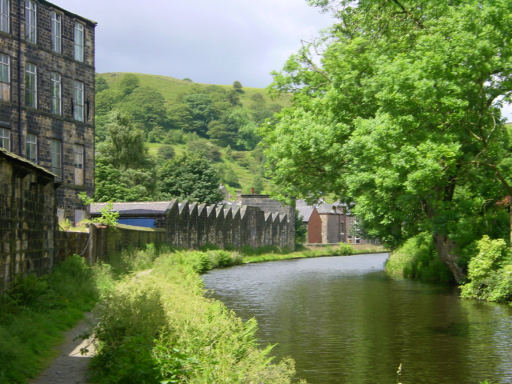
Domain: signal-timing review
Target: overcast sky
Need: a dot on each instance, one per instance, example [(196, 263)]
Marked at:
[(207, 41)]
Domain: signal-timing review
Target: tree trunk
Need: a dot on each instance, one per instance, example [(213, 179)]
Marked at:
[(444, 247)]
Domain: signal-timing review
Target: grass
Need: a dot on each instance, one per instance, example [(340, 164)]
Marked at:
[(158, 327), (35, 313), (302, 252), (172, 89), (168, 329)]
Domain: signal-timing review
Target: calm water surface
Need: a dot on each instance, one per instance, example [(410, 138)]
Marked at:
[(344, 321)]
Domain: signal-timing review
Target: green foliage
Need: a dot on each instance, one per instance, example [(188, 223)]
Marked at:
[(158, 328), (124, 147), (146, 108), (237, 86), (301, 229), (100, 84), (108, 216), (204, 148), (129, 83), (189, 177), (490, 272), (166, 152), (36, 310), (114, 184), (417, 259), (175, 112), (399, 119)]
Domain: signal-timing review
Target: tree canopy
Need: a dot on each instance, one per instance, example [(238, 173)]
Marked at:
[(401, 115), (190, 177)]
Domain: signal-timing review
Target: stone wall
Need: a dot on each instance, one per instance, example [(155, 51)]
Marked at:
[(192, 225), (27, 218)]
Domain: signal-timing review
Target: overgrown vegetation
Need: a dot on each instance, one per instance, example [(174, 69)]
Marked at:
[(35, 312), (490, 272), (417, 259)]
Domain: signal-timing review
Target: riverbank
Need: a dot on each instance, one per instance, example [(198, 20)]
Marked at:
[(37, 311), (308, 252), (159, 326)]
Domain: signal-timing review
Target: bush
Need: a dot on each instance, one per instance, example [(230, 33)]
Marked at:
[(417, 259), (490, 272)]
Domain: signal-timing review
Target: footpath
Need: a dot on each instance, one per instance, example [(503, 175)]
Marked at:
[(70, 367)]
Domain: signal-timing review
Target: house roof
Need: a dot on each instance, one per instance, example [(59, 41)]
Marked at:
[(26, 163), (144, 208), (305, 211)]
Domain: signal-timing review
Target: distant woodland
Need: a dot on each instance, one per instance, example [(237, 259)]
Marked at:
[(159, 137)]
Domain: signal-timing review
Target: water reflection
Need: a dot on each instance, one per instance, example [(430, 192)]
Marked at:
[(344, 321)]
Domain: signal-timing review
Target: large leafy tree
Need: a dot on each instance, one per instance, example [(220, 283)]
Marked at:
[(189, 177), (401, 115), (124, 171)]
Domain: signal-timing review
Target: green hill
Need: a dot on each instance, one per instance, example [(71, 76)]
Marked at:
[(172, 89), (179, 116)]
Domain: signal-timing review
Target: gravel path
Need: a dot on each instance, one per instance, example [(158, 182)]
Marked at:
[(71, 366)]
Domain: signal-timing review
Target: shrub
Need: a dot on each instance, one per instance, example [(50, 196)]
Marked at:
[(417, 259), (490, 272)]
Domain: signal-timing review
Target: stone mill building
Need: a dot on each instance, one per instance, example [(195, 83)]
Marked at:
[(47, 94)]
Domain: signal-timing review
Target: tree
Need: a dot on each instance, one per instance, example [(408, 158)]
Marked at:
[(101, 84), (190, 177), (129, 83), (114, 184), (201, 111), (124, 145), (402, 116), (146, 108), (237, 86)]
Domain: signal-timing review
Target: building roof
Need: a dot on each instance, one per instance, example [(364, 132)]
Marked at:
[(144, 208), (70, 13), (305, 211), (27, 163)]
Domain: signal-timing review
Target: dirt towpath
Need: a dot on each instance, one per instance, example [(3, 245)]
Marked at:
[(71, 366)]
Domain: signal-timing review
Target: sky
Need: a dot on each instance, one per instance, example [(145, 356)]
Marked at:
[(208, 41)]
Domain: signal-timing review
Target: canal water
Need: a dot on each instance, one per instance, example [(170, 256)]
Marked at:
[(344, 321)]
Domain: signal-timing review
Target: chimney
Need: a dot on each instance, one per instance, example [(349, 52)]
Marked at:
[(252, 191)]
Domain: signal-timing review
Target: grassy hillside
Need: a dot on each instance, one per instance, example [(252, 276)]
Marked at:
[(219, 120), (172, 89)]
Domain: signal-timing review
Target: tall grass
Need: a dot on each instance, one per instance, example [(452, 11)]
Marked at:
[(36, 310), (158, 327)]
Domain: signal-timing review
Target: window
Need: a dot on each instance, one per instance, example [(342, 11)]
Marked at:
[(31, 21), (56, 157), (31, 147), (56, 93), (56, 32), (79, 42), (78, 161), (31, 85), (5, 138), (4, 16), (5, 78), (78, 101)]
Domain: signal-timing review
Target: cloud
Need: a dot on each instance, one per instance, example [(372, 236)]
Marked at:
[(211, 42)]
